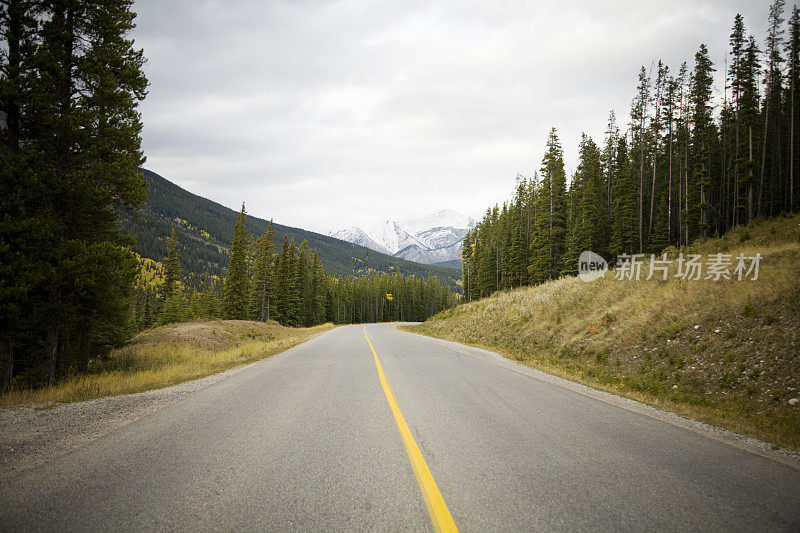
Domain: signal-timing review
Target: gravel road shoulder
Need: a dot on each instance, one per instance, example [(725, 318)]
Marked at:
[(31, 436)]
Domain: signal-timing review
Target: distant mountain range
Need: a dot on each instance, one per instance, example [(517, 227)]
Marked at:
[(205, 230), (432, 239)]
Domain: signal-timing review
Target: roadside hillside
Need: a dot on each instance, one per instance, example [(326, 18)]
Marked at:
[(725, 352), (167, 355)]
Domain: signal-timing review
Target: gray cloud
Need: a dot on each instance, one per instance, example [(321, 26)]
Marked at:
[(323, 114)]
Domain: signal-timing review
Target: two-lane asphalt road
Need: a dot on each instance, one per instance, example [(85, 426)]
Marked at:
[(307, 440)]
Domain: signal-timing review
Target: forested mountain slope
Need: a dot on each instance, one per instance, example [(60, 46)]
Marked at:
[(205, 229)]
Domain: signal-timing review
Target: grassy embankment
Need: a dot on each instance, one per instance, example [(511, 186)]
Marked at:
[(168, 355), (724, 352)]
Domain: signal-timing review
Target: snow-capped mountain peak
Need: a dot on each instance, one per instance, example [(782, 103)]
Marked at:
[(446, 218), (358, 236), (429, 239)]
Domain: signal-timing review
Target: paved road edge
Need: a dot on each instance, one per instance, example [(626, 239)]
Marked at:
[(731, 438), (77, 424)]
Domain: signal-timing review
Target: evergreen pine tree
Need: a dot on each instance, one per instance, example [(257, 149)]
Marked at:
[(550, 226), (237, 290), (750, 126), (172, 266), (173, 307), (519, 241), (280, 283), (639, 114), (193, 311), (70, 152), (624, 236), (305, 286), (587, 226), (608, 162), (147, 311), (655, 133), (770, 152), (703, 136), (320, 291), (736, 72), (671, 115), (596, 221), (575, 241), (486, 257), (294, 307), (793, 108), (208, 302), (262, 278)]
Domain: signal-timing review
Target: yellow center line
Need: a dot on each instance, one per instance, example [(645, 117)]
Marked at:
[(440, 516)]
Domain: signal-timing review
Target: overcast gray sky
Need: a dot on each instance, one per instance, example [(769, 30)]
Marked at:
[(324, 114)]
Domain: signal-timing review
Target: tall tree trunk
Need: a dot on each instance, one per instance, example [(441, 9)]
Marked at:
[(610, 180), (680, 201), (763, 153), (6, 364), (64, 352), (550, 235), (50, 363), (64, 18), (11, 103), (652, 194), (497, 269), (686, 191), (84, 350), (669, 186), (703, 203), (261, 314), (723, 218), (655, 123), (641, 192), (792, 120), (750, 177), (777, 177), (735, 201), (13, 39)]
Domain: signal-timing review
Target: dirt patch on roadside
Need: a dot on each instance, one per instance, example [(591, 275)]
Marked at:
[(211, 335)]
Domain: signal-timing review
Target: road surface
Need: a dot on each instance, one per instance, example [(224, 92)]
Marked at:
[(308, 440)]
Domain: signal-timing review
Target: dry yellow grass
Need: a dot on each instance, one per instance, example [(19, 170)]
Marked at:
[(725, 352), (169, 355)]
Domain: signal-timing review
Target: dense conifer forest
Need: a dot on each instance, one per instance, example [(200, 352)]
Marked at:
[(70, 83), (71, 285), (203, 229), (288, 285), (687, 167)]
